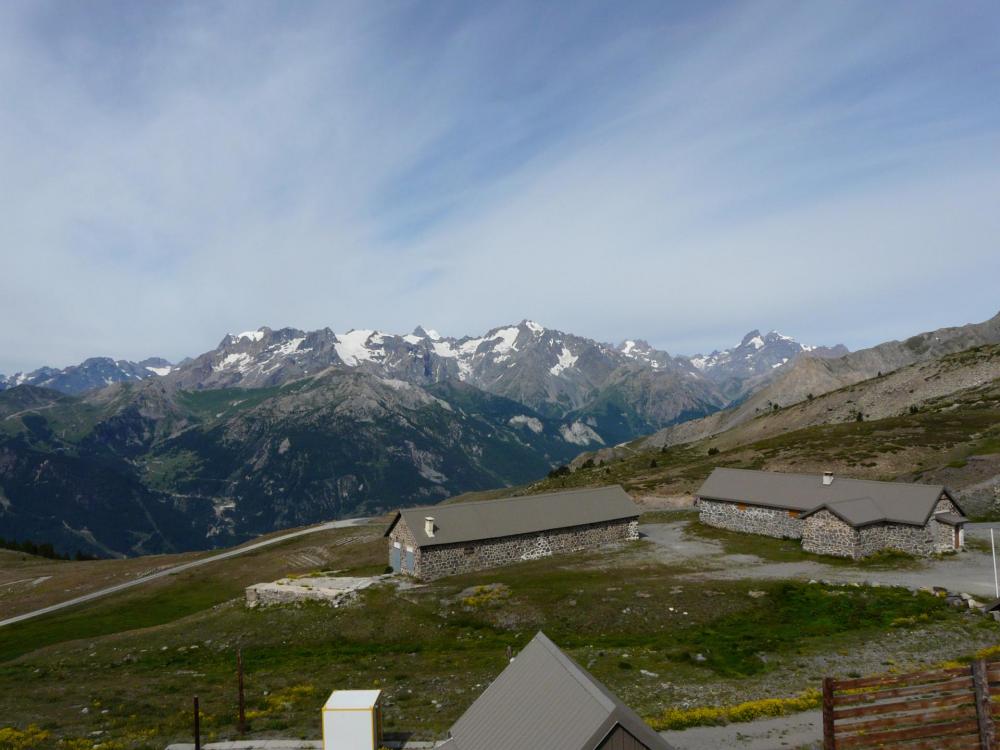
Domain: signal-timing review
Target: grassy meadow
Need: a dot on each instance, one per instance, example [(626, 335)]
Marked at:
[(121, 672)]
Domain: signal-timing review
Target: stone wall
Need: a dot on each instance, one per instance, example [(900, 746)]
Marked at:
[(944, 505), (401, 533), (825, 534), (450, 559), (942, 533), (914, 540), (943, 536), (750, 519)]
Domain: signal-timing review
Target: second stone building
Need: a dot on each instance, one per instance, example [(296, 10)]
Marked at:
[(834, 515)]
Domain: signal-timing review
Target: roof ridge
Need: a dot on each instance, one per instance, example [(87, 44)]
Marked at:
[(513, 497), (850, 500), (820, 475)]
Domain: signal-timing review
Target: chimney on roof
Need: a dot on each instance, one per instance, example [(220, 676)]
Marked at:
[(827, 478), (429, 525)]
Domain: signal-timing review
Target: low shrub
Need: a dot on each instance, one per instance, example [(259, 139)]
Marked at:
[(12, 738), (683, 718)]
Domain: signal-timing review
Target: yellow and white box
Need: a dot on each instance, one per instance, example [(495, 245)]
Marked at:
[(352, 720)]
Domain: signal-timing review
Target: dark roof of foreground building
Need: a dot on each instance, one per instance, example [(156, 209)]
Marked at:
[(544, 699), (489, 519), (858, 502)]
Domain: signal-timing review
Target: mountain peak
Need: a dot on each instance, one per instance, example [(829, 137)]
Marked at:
[(753, 339)]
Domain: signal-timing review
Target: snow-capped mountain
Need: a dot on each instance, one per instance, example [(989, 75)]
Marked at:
[(757, 358), (321, 424), (93, 373), (617, 391), (553, 372)]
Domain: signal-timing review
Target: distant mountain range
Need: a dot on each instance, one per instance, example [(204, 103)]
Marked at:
[(275, 428), (89, 375), (554, 372)]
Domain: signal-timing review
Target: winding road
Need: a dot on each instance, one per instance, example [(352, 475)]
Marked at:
[(343, 523)]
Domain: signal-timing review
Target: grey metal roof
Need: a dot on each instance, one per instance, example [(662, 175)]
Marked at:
[(857, 512), (544, 699), (952, 519), (856, 501), (466, 522)]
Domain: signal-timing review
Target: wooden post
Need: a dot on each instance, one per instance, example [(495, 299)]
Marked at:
[(829, 741), (981, 683), (197, 726), (241, 725)]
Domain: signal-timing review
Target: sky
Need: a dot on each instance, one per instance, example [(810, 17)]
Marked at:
[(673, 171)]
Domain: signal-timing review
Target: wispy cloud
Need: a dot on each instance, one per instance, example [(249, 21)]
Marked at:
[(172, 171)]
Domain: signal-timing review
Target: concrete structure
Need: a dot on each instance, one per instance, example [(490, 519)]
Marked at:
[(352, 720), (833, 515), (335, 591), (445, 540), (544, 699)]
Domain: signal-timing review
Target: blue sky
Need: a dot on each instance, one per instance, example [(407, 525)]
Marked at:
[(679, 172)]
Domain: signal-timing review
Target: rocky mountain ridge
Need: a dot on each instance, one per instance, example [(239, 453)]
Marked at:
[(617, 392), (808, 377), (89, 375)]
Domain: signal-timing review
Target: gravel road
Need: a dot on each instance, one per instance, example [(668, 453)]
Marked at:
[(798, 731), (970, 571)]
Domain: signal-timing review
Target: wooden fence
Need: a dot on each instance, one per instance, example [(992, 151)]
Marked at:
[(935, 710)]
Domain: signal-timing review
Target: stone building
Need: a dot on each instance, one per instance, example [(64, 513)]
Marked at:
[(834, 515), (544, 699), (443, 540)]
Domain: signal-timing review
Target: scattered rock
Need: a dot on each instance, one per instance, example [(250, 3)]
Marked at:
[(757, 594)]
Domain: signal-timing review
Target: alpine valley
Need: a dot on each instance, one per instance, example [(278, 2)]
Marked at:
[(278, 428)]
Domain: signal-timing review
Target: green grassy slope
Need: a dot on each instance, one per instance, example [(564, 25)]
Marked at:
[(135, 661)]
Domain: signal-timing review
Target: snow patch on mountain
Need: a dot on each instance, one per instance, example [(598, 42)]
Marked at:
[(508, 339), (289, 346), (161, 371), (443, 349), (238, 361), (532, 423), (566, 359), (351, 346), (579, 434), (251, 335)]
